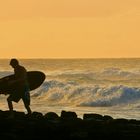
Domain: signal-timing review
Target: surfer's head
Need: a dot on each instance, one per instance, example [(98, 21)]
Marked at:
[(14, 62)]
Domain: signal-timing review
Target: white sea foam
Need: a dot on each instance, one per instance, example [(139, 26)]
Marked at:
[(87, 95)]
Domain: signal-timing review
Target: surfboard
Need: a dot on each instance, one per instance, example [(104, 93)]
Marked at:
[(35, 79)]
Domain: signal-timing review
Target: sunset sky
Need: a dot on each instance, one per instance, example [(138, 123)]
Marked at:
[(69, 28)]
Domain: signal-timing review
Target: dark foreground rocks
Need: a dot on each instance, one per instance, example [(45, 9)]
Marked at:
[(66, 126)]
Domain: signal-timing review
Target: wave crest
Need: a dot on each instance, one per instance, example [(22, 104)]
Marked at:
[(86, 95)]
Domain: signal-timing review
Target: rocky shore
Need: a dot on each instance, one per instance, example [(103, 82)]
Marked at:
[(66, 126)]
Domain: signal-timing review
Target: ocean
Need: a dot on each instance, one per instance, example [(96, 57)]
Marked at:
[(103, 86)]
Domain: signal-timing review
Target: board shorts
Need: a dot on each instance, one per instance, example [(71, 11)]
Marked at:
[(22, 92)]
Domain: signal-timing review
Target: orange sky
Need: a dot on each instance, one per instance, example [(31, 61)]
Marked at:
[(69, 28)]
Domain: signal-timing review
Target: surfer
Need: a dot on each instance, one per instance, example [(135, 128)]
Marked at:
[(22, 89)]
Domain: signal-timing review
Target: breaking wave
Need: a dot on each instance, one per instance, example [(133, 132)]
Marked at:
[(86, 95)]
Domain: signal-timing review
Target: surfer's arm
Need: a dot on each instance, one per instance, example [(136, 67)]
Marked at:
[(17, 80), (19, 76)]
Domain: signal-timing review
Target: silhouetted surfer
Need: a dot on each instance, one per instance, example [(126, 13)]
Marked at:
[(22, 89)]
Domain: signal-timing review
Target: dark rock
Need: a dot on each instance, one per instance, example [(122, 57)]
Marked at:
[(69, 127), (120, 121), (68, 115), (93, 116), (106, 118), (36, 115), (51, 116), (19, 115)]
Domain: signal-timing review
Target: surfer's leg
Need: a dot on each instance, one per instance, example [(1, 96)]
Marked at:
[(10, 105), (27, 105), (28, 108)]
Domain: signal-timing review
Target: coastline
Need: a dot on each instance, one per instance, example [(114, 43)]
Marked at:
[(66, 126)]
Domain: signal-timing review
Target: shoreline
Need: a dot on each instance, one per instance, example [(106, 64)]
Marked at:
[(66, 126)]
